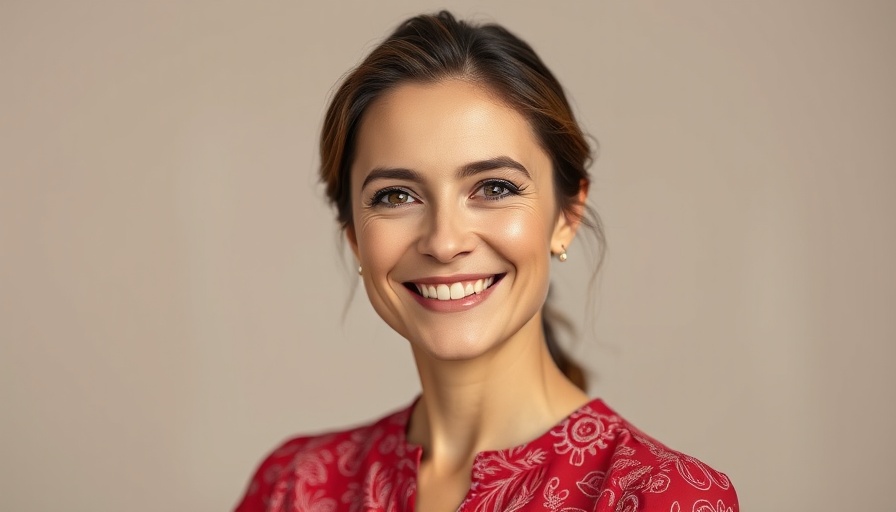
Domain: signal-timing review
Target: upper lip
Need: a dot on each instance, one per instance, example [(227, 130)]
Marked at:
[(452, 279)]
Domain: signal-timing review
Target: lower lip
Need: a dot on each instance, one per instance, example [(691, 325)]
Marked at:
[(453, 306)]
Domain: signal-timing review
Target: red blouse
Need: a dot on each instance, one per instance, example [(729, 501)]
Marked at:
[(591, 461)]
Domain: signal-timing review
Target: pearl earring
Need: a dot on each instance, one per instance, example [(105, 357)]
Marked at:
[(562, 256), (360, 271)]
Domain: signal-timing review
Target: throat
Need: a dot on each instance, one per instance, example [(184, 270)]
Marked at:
[(468, 407), (442, 491)]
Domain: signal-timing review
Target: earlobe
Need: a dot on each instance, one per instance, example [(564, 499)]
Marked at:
[(564, 232), (569, 220)]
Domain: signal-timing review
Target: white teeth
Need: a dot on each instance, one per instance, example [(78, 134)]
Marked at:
[(454, 291), (444, 293)]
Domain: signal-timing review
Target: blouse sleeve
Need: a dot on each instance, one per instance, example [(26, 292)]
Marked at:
[(645, 475), (682, 497), (258, 493)]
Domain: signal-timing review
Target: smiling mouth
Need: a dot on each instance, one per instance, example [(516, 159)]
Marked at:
[(453, 291)]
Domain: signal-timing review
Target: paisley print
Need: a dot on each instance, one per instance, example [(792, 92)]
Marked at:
[(593, 460), (705, 506), (593, 483), (695, 472)]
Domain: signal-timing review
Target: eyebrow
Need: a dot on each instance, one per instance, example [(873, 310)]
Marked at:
[(470, 169)]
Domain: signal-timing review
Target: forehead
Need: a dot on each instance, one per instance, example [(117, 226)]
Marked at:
[(442, 126)]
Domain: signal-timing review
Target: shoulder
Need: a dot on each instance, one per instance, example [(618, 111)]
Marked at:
[(645, 474), (311, 459)]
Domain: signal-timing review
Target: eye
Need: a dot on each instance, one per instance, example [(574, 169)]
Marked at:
[(494, 190), (497, 189), (392, 197)]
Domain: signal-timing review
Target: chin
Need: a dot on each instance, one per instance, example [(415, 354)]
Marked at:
[(458, 346), (456, 352), (450, 348)]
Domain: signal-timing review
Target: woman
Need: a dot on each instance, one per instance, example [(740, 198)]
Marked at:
[(457, 170)]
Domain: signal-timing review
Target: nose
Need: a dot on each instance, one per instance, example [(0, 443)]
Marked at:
[(446, 234)]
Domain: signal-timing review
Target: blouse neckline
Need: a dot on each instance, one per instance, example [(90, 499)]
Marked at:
[(543, 439)]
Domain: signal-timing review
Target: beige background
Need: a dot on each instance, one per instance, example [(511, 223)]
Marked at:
[(171, 295)]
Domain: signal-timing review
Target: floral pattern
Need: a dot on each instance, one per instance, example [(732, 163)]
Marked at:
[(582, 432), (506, 480), (591, 461)]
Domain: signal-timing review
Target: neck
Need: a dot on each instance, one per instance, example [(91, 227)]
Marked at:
[(498, 400)]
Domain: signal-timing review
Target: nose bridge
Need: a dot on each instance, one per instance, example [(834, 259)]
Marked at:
[(447, 233)]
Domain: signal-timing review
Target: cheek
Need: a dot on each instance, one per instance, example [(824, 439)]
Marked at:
[(521, 230), (382, 242)]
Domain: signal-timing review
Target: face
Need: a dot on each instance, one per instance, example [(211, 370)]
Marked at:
[(454, 218)]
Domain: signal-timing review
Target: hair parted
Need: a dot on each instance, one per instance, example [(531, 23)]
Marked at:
[(430, 48)]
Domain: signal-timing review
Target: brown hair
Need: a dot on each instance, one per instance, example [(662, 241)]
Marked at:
[(430, 48)]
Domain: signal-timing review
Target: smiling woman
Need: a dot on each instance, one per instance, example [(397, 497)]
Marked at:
[(457, 170), (476, 203)]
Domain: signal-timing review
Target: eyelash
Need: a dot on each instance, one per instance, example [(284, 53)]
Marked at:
[(510, 190)]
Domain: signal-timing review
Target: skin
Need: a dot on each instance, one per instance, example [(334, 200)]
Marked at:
[(488, 381)]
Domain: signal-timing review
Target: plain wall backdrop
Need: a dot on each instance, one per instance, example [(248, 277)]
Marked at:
[(171, 290)]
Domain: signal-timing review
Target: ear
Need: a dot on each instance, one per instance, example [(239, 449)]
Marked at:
[(352, 240), (568, 222)]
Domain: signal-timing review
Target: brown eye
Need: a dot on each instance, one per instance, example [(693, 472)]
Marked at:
[(494, 190), (394, 197), (397, 197)]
